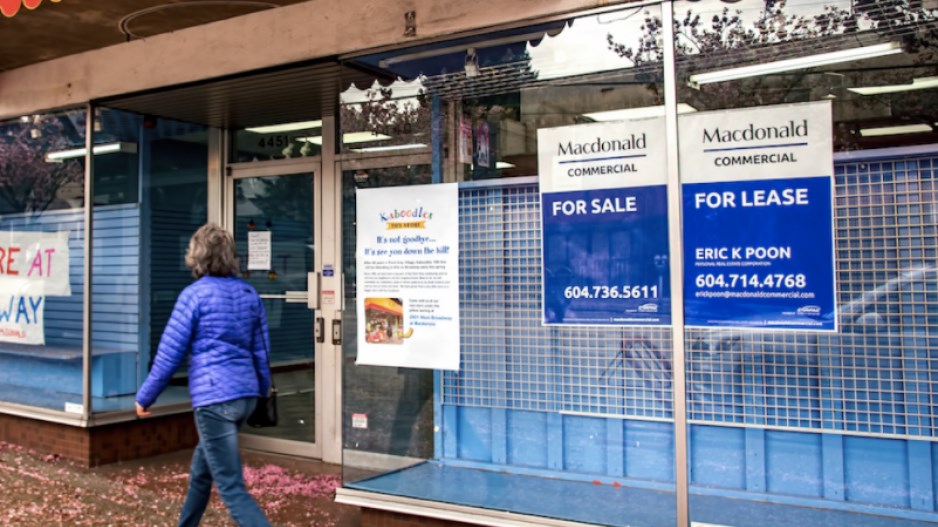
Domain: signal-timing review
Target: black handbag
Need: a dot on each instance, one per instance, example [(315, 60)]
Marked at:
[(265, 413)]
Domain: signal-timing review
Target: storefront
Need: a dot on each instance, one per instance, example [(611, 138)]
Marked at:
[(687, 272)]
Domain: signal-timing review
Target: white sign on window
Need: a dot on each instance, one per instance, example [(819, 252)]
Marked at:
[(259, 251), (22, 307), (37, 257), (408, 276)]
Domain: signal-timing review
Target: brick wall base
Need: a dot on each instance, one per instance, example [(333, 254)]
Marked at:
[(102, 444), (379, 518)]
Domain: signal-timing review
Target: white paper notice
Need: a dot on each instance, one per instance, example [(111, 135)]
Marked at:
[(259, 251), (408, 276)]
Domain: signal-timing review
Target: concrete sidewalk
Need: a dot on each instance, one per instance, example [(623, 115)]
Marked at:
[(43, 490)]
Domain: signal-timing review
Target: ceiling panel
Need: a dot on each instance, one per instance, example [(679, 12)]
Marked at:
[(292, 94)]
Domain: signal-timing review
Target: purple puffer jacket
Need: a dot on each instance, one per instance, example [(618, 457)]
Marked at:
[(221, 321)]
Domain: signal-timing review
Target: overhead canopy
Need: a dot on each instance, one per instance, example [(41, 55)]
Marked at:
[(295, 93), (36, 31)]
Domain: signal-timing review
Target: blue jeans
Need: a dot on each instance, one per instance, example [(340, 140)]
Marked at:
[(217, 459)]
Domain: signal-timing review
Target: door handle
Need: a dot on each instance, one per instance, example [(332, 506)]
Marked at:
[(312, 290), (337, 332), (320, 329), (295, 297)]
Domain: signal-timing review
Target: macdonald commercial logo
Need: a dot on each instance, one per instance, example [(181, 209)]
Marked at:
[(756, 145), (602, 146), (10, 8), (615, 156), (752, 132), (406, 218)]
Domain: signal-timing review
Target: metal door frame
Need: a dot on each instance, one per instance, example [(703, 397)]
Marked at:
[(340, 164), (286, 167)]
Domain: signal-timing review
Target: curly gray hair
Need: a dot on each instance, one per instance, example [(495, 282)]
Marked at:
[(212, 252)]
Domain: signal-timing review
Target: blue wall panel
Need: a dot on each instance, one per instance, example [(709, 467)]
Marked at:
[(615, 448), (584, 444), (934, 457), (876, 471), (755, 460), (794, 463), (526, 434), (921, 476), (718, 457), (475, 434), (649, 450)]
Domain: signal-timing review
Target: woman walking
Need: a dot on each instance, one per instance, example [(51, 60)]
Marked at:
[(219, 321)]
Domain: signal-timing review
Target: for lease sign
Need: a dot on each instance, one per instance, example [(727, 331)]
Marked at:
[(758, 218)]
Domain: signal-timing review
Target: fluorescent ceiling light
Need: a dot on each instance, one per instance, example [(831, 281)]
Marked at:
[(108, 148), (635, 113), (410, 146), (503, 164), (285, 127), (363, 137), (917, 84), (896, 130), (349, 138), (811, 61)]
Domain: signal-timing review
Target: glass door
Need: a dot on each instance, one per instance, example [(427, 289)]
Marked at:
[(273, 218)]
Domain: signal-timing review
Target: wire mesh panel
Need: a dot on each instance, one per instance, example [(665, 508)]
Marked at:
[(877, 375), (509, 360), (880, 368)]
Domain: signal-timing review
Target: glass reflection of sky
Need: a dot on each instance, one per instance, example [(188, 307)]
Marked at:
[(402, 90), (561, 49), (583, 48)]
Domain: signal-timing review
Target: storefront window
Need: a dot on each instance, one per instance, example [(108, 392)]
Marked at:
[(42, 233), (805, 153), (150, 196), (806, 414), (396, 403), (577, 403)]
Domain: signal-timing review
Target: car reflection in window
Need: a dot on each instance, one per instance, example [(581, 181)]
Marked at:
[(849, 380)]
